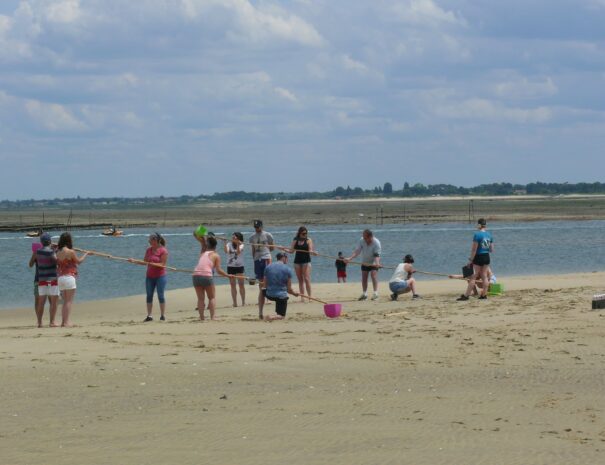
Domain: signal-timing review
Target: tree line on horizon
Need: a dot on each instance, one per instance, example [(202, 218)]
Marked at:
[(407, 191)]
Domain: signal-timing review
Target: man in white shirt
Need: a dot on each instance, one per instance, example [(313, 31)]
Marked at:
[(369, 248)]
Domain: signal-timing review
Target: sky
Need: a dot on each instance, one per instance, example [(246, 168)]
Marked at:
[(189, 97)]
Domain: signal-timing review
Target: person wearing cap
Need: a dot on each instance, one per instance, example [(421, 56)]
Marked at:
[(261, 244), (483, 245), (156, 257), (276, 285), (369, 248), (402, 281), (48, 286)]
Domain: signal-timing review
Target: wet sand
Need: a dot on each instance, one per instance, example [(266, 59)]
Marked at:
[(517, 379)]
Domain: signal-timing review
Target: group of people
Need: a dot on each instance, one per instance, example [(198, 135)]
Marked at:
[(57, 269)]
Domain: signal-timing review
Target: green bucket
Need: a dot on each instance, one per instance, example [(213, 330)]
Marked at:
[(495, 289), (201, 231)]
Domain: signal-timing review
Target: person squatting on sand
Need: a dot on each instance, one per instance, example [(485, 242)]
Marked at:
[(370, 250), (203, 281), (302, 247), (402, 280), (45, 260), (483, 244), (276, 285), (261, 254), (235, 266), (156, 278), (67, 267)]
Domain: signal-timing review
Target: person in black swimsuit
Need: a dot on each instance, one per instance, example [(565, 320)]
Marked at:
[(303, 248)]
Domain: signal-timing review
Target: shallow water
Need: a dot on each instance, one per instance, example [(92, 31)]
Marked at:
[(520, 249)]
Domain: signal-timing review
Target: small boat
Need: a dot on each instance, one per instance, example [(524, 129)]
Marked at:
[(113, 232), (37, 233)]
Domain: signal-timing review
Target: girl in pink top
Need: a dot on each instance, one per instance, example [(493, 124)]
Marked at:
[(67, 270), (203, 283), (156, 257)]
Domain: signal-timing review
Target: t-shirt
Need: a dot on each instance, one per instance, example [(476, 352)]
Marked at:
[(368, 252), (261, 251), (152, 256), (340, 264), (277, 275), (235, 259), (484, 240)]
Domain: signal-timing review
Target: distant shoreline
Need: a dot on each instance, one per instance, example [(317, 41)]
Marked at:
[(387, 210)]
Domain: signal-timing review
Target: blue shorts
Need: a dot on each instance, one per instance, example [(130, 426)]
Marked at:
[(259, 268), (398, 287)]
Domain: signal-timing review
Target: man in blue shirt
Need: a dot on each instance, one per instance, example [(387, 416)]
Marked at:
[(277, 284)]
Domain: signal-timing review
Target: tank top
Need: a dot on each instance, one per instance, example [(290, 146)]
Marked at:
[(301, 245), (67, 268), (204, 265), (47, 264)]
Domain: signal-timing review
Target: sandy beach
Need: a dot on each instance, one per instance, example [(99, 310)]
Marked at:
[(517, 379)]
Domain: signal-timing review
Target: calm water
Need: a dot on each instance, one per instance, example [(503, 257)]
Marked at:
[(521, 249)]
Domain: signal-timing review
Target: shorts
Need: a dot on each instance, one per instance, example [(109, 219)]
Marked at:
[(49, 288), (341, 274), (481, 259), (398, 287), (369, 268), (235, 270), (281, 303), (202, 281), (67, 283), (259, 268)]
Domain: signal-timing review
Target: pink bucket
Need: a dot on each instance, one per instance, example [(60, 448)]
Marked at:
[(332, 310)]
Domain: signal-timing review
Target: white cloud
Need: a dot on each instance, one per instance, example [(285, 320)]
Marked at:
[(65, 11), (286, 94), (478, 109), (526, 88), (256, 23), (426, 13), (53, 117), (353, 65), (5, 25)]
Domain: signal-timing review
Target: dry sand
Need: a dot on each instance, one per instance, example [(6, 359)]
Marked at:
[(517, 379)]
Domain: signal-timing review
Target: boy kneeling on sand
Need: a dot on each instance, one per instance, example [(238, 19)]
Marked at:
[(402, 281), (276, 286)]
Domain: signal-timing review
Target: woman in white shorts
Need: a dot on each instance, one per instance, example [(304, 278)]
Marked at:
[(67, 267)]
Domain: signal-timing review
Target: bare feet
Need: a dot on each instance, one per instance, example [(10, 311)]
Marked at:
[(53, 325), (67, 325), (273, 317)]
